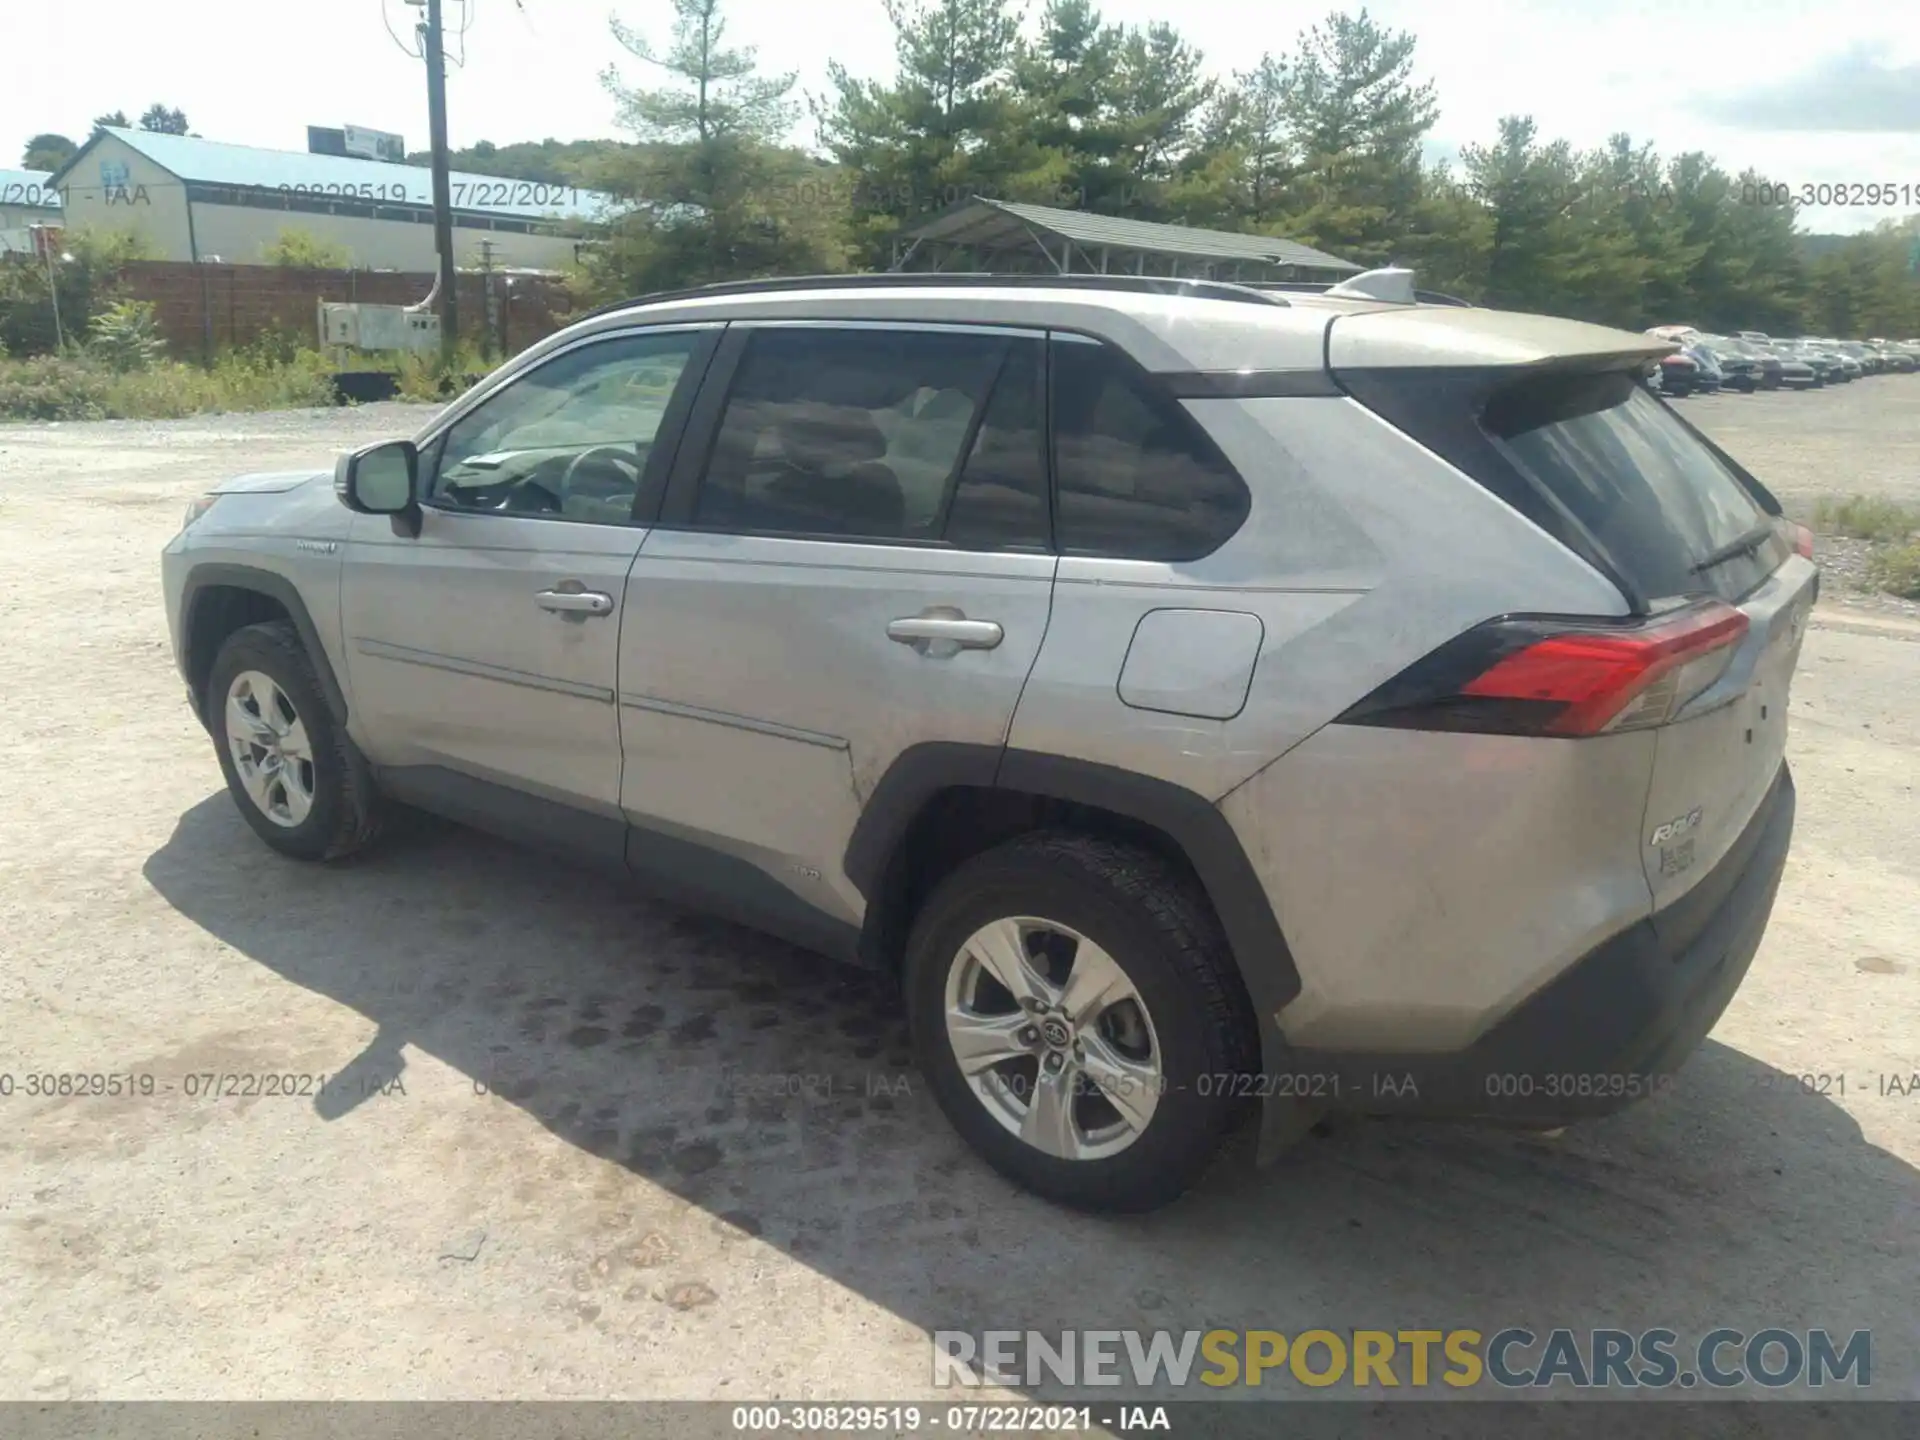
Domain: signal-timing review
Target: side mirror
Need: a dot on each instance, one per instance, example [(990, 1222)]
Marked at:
[(381, 479)]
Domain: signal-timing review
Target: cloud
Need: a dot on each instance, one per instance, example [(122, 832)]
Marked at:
[(1848, 92)]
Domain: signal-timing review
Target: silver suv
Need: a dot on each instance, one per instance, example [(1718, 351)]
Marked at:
[(1204, 699)]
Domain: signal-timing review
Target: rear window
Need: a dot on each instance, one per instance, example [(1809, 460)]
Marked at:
[(1599, 463), (1659, 503)]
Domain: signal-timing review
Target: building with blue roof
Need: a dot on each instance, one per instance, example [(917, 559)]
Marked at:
[(26, 199), (205, 200)]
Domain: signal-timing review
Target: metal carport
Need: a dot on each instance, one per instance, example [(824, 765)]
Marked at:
[(1008, 237)]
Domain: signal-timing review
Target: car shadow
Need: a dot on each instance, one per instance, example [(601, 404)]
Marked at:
[(774, 1090)]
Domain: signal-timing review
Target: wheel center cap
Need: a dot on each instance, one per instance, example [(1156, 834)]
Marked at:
[(1056, 1032)]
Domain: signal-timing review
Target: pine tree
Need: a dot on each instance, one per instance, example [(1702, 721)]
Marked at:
[(163, 120), (1358, 118), (1251, 126), (713, 192), (941, 131), (1525, 188)]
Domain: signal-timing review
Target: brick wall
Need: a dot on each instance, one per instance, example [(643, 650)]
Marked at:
[(226, 305)]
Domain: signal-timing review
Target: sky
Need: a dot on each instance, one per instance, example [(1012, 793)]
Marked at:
[(1810, 93)]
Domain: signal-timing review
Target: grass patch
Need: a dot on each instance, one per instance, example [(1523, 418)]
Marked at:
[(1897, 570), (1865, 517), (50, 387)]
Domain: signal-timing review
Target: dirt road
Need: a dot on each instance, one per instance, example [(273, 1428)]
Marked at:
[(582, 1144)]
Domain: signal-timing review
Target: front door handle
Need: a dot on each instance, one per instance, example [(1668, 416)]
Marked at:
[(576, 602), (957, 631)]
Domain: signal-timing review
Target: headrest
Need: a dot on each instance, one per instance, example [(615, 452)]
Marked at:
[(817, 434)]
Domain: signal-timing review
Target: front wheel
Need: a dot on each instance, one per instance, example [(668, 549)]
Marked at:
[(292, 770), (1079, 1019)]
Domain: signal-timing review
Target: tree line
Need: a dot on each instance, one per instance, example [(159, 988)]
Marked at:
[(1322, 144)]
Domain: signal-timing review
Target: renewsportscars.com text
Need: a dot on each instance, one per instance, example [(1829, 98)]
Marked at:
[(1515, 1358)]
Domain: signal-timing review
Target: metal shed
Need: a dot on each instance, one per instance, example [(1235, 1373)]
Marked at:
[(1014, 238), (200, 200)]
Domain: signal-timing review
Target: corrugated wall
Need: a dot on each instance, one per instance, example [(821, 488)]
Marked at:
[(227, 305)]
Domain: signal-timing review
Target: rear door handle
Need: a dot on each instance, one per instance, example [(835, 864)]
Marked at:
[(576, 602), (961, 633)]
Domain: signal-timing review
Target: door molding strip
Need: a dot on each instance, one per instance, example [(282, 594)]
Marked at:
[(734, 722), (480, 670)]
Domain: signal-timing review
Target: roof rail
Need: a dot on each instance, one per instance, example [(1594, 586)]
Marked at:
[(1245, 293)]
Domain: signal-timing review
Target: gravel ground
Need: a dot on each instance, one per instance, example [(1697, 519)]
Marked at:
[(563, 1161), (1857, 439)]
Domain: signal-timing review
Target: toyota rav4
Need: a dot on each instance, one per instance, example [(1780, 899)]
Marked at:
[(1200, 697)]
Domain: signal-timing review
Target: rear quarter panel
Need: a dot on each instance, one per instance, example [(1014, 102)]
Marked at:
[(1362, 552), (1427, 883), (1422, 884)]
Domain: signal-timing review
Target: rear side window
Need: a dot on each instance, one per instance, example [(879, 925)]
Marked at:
[(1656, 500), (877, 434), (1137, 477)]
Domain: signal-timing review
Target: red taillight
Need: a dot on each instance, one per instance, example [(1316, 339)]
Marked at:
[(1533, 676), (1601, 679)]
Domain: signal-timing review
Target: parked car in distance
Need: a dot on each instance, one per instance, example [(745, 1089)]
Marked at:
[(976, 631), (1858, 361), (1833, 367), (1894, 357), (1678, 334), (1741, 367), (1679, 374), (1795, 372), (1870, 360), (1711, 377), (1773, 372), (1753, 337)]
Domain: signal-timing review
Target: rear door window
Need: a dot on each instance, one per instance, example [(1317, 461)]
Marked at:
[(921, 436)]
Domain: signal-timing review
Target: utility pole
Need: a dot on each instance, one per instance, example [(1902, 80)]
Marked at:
[(433, 46), (43, 237), (492, 299)]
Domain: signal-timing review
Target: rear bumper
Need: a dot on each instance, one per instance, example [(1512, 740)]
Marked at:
[(1612, 1028)]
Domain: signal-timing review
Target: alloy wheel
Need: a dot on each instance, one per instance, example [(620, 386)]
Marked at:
[(1053, 1038), (271, 753)]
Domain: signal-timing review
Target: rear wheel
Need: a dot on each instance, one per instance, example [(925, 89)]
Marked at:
[(1079, 1019), (296, 776)]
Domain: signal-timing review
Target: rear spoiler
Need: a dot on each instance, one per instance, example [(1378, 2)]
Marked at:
[(1414, 336)]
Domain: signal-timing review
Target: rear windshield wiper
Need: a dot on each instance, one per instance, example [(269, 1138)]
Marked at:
[(1745, 544)]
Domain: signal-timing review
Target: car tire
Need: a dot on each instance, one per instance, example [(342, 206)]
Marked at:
[(298, 779), (1182, 1035)]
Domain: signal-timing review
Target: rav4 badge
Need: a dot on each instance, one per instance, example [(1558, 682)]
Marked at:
[(1676, 827)]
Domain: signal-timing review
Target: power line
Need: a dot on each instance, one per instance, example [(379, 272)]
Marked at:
[(460, 31), (412, 54)]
